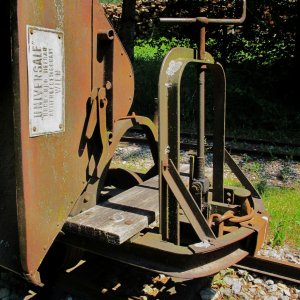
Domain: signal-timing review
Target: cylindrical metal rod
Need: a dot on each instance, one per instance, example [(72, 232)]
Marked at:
[(201, 109), (178, 20)]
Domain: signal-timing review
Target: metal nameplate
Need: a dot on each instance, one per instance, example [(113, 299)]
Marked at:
[(46, 81)]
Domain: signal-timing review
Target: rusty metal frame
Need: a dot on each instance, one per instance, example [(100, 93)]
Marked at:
[(52, 176), (91, 193), (240, 175), (187, 202), (163, 252), (160, 256), (173, 192), (169, 137), (43, 208), (169, 96)]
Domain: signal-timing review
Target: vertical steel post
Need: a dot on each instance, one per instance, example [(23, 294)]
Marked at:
[(200, 159)]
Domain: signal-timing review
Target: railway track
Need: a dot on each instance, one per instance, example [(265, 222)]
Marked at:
[(101, 279), (271, 267), (98, 278), (229, 138), (238, 146), (246, 140)]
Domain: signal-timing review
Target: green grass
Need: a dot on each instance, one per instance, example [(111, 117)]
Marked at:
[(255, 85), (283, 205), (131, 166)]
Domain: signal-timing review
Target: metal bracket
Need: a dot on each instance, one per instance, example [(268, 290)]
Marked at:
[(187, 202), (169, 102)]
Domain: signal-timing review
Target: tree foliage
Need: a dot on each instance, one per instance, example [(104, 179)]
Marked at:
[(260, 58)]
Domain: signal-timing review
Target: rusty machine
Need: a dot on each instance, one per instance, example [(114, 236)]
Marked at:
[(66, 93)]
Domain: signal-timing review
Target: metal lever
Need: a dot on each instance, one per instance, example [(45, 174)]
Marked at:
[(204, 20)]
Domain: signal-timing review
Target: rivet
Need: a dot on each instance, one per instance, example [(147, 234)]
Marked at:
[(60, 126), (108, 85), (34, 128)]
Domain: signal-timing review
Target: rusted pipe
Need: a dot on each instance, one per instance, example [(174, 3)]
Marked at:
[(205, 20), (106, 35), (178, 20), (200, 159), (231, 21)]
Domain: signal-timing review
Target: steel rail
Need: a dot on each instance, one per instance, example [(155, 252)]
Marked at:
[(81, 281), (84, 284), (246, 140), (271, 267), (230, 148), (229, 138)]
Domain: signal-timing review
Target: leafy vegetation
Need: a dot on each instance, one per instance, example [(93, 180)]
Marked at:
[(258, 96), (156, 49), (259, 57), (260, 61)]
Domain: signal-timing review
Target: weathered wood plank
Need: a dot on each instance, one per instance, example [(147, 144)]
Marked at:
[(121, 217)]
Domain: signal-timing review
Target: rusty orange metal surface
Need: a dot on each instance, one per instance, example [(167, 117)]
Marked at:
[(52, 175), (122, 78), (51, 169)]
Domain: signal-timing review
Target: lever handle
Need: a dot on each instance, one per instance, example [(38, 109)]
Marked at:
[(204, 20)]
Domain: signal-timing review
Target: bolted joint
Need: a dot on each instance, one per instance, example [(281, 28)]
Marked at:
[(196, 188), (202, 20), (200, 186), (102, 93)]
